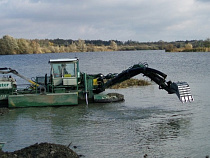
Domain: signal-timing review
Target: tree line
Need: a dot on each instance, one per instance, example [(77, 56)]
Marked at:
[(10, 45)]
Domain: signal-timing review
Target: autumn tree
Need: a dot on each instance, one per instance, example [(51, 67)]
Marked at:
[(188, 46), (113, 45), (8, 45), (3, 47), (35, 47), (23, 46), (62, 49), (169, 47), (81, 46), (72, 47)]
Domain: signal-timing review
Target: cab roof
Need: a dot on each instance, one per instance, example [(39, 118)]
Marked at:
[(62, 60)]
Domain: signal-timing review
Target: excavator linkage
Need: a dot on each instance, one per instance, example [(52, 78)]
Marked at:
[(181, 89)]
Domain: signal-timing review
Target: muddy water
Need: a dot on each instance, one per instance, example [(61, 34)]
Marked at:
[(149, 121)]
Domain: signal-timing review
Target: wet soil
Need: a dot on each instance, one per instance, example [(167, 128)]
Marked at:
[(42, 150), (3, 111), (131, 83)]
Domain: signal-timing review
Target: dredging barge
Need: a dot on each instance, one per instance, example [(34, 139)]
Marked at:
[(66, 85)]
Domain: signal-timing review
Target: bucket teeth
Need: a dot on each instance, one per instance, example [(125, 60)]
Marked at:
[(184, 92)]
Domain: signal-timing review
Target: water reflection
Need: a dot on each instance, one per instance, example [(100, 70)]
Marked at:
[(154, 137), (102, 125)]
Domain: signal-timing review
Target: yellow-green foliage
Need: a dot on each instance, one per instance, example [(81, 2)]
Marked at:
[(10, 45)]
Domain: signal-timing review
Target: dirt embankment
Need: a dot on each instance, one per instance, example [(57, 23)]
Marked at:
[(42, 150)]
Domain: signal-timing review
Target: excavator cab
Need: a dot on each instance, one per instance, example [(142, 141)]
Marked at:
[(64, 71)]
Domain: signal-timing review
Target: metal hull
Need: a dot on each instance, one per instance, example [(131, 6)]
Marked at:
[(41, 100), (4, 103)]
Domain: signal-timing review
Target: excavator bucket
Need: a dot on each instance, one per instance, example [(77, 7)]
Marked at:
[(182, 90)]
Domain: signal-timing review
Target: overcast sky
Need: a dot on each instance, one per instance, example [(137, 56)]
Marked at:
[(138, 20)]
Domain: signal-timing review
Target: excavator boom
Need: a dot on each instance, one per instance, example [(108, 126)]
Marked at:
[(181, 89)]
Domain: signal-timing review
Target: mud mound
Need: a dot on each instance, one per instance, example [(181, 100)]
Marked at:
[(42, 150), (130, 83)]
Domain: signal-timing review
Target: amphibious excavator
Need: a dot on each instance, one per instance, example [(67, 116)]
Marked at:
[(66, 85)]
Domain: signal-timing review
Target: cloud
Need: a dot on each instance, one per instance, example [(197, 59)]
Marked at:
[(204, 1), (141, 20)]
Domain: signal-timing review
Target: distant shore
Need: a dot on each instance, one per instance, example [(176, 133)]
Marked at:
[(11, 46)]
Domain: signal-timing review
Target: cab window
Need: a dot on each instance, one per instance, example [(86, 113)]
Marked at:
[(64, 70), (57, 71), (68, 70)]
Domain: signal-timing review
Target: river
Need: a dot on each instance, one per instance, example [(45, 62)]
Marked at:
[(149, 121)]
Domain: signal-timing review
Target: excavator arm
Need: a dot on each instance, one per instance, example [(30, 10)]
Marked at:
[(181, 89), (9, 70)]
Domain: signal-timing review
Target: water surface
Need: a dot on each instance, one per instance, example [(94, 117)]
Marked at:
[(149, 121)]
